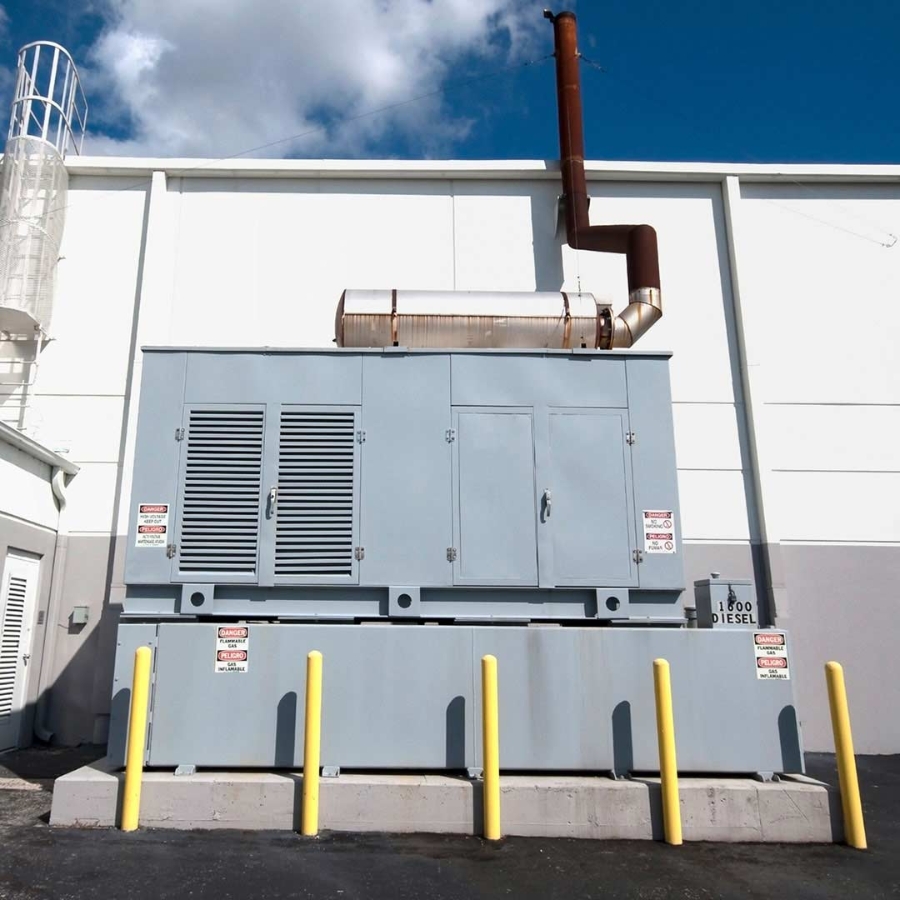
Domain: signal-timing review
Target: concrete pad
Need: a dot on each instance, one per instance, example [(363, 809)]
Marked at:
[(400, 803), (573, 806), (713, 809), (788, 809)]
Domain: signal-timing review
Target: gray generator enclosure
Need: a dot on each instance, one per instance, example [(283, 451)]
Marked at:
[(413, 485), (520, 503)]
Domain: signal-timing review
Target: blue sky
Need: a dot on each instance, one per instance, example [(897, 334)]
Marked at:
[(693, 80)]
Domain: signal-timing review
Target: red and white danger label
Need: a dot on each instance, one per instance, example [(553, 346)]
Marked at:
[(233, 631), (152, 525), (768, 639), (659, 531), (770, 651), (232, 648)]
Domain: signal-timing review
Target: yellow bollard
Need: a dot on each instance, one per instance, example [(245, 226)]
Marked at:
[(137, 739), (854, 827), (312, 744), (668, 767), (490, 732)]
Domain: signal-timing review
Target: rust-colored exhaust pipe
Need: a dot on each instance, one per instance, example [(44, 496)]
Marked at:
[(637, 242)]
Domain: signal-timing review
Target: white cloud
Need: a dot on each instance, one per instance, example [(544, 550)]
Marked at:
[(217, 77)]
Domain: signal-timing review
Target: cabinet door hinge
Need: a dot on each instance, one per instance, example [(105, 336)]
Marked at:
[(360, 553), (360, 437), (451, 554), (170, 551), (630, 437), (638, 556), (450, 435), (179, 434)]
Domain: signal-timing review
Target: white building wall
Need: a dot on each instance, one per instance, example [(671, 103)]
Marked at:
[(25, 488), (820, 277), (823, 285), (259, 256), (77, 407)]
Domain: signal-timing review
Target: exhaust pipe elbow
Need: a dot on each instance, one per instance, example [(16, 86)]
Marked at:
[(643, 311)]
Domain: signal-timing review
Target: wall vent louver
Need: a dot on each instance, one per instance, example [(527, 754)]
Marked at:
[(13, 625)]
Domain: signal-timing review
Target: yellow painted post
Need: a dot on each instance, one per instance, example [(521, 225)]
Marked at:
[(668, 767), (312, 744), (490, 732), (137, 739), (854, 827)]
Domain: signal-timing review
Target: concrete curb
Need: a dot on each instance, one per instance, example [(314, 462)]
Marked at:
[(712, 809)]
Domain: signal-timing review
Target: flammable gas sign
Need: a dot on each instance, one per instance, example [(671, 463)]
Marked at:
[(770, 649), (232, 648)]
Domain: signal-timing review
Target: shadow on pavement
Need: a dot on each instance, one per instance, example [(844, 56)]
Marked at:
[(40, 762)]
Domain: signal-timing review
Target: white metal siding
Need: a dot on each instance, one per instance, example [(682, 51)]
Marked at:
[(25, 488), (821, 298)]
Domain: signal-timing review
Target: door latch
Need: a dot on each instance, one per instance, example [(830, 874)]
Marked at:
[(548, 503)]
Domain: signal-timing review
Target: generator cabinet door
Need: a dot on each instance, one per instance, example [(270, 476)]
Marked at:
[(587, 501), (496, 512)]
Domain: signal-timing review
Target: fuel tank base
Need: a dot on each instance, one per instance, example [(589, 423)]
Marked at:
[(407, 697)]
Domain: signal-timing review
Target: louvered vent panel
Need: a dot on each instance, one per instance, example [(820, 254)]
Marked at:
[(13, 623), (221, 493), (314, 533)]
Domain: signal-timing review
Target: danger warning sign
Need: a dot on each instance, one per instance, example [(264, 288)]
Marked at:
[(659, 531), (232, 648), (770, 651), (152, 525)]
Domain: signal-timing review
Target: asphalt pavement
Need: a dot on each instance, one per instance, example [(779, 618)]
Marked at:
[(39, 862)]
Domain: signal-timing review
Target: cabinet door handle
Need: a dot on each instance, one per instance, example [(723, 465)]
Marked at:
[(271, 500), (548, 503)]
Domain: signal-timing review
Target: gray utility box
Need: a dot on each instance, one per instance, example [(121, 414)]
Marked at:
[(725, 603), (355, 484)]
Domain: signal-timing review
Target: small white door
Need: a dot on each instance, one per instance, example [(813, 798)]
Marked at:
[(17, 599)]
